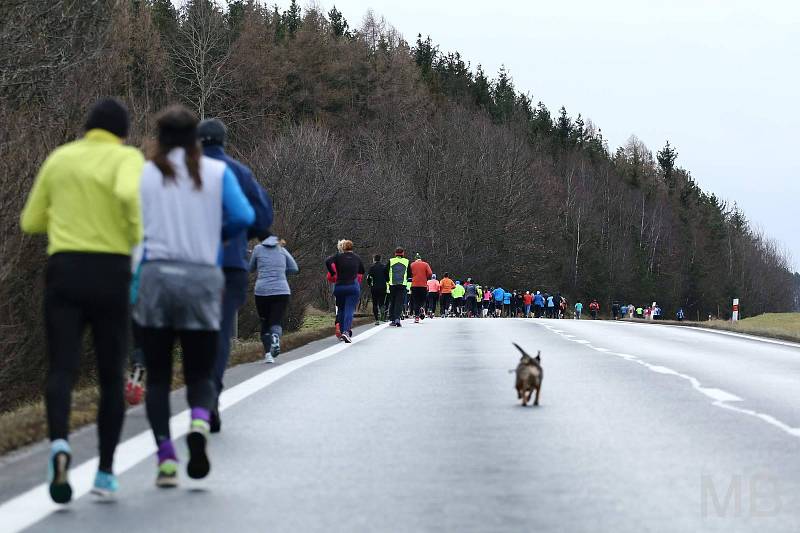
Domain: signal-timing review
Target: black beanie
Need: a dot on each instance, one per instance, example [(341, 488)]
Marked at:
[(211, 131), (111, 115)]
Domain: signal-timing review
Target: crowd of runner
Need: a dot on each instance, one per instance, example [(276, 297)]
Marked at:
[(159, 248)]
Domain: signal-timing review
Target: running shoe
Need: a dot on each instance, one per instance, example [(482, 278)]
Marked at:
[(346, 338), (105, 485), (416, 320), (196, 440), (167, 476), (57, 471), (275, 347), (134, 388), (377, 322), (268, 359)]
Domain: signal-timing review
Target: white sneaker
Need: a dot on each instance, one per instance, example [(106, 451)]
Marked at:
[(268, 358)]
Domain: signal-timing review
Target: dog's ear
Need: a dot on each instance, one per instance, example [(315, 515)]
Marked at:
[(538, 357), (523, 352)]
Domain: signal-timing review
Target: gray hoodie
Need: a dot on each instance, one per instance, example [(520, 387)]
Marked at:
[(272, 262)]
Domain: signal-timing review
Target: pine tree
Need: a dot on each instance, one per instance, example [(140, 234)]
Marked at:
[(339, 25), (563, 127), (424, 56), (292, 18), (504, 96), (482, 90), (666, 159)]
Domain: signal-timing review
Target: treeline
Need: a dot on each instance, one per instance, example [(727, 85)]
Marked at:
[(357, 133)]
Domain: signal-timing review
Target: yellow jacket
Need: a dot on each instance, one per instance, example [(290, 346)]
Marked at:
[(86, 196)]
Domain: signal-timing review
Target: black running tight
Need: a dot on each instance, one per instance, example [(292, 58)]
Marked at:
[(87, 289), (199, 353)]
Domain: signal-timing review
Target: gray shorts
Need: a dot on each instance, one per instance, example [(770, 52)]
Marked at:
[(179, 296)]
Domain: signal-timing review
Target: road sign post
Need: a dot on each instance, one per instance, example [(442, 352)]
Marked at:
[(735, 315)]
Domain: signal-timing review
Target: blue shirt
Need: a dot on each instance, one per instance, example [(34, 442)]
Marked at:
[(538, 300), (498, 294), (234, 251), (507, 298)]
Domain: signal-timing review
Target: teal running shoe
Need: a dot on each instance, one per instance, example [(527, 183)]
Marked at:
[(58, 470), (105, 485)]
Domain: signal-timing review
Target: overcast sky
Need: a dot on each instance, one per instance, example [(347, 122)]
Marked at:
[(719, 78)]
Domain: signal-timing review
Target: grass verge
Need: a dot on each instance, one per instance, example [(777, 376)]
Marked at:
[(783, 326), (27, 424)]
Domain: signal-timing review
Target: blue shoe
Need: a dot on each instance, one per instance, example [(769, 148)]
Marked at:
[(57, 471), (105, 485)]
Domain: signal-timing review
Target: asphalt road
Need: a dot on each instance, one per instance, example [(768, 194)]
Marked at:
[(640, 428)]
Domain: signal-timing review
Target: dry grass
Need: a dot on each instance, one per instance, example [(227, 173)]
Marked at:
[(776, 325), (784, 326), (26, 424)]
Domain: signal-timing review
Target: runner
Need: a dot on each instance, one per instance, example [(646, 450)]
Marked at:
[(398, 272), (578, 310), (86, 198), (190, 203), (487, 301), (551, 306), (507, 303), (498, 294), (349, 271), (470, 298), (527, 301), (594, 308), (446, 288), (212, 134), (433, 295), (420, 274), (377, 279), (272, 262), (538, 304), (458, 299)]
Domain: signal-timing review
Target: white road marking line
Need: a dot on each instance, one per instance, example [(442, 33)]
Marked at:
[(722, 399), (32, 506)]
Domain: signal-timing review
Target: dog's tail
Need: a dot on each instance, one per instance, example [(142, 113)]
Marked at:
[(518, 347)]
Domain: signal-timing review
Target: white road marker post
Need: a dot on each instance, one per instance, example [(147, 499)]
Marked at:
[(735, 314)]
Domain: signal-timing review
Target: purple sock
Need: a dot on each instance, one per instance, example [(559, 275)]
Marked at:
[(201, 413), (166, 451)]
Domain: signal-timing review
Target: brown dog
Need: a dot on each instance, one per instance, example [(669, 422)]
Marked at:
[(529, 376)]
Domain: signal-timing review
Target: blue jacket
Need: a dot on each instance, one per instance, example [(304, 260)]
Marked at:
[(234, 251), (498, 294), (507, 298), (550, 302), (538, 300)]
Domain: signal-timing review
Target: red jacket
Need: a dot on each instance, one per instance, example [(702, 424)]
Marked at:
[(594, 306)]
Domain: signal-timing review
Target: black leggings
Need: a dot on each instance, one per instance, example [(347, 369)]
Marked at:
[(87, 289), (378, 303), (396, 301), (445, 303), (199, 354), (418, 295), (270, 311)]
